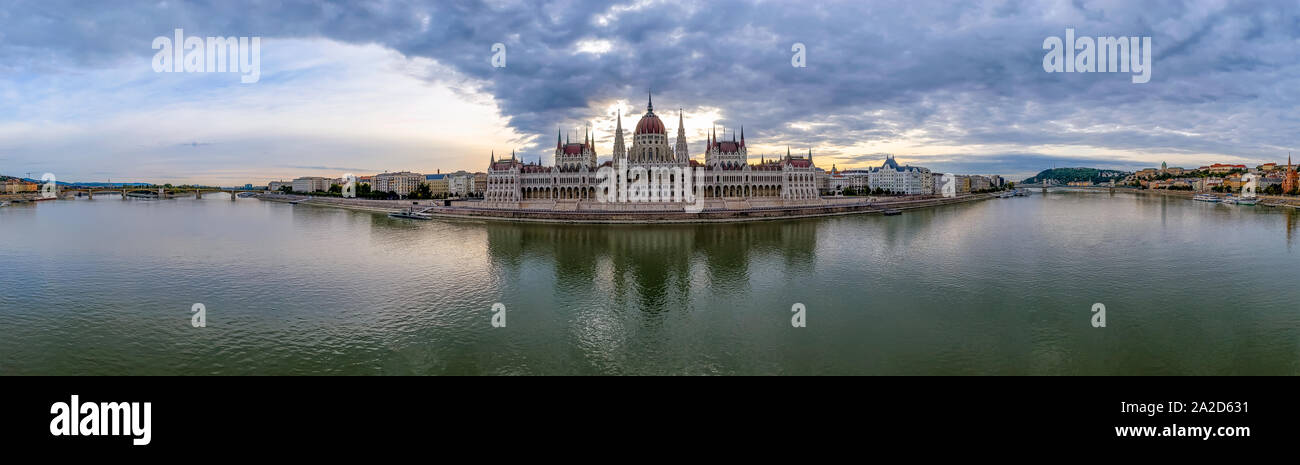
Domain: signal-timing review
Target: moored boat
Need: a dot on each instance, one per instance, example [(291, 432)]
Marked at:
[(410, 214), (1206, 197)]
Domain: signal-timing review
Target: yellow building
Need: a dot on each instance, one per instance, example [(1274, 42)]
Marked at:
[(437, 184), (18, 186)]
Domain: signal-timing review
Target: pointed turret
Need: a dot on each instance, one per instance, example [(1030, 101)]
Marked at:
[(557, 138), (681, 151), (742, 135), (619, 150), (650, 102)]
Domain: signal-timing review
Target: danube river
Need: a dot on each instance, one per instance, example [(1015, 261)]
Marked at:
[(1003, 286)]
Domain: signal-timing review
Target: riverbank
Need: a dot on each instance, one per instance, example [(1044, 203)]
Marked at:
[(466, 210), (1285, 201)]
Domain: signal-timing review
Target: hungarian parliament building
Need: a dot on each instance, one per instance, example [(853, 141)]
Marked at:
[(727, 173)]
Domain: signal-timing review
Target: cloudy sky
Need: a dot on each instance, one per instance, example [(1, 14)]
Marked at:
[(365, 87)]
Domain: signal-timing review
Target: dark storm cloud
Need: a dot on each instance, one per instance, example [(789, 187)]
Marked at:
[(954, 74)]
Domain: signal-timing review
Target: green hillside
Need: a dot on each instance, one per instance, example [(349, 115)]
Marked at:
[(1064, 175)]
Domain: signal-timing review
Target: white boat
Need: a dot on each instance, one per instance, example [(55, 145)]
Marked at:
[(410, 214), (1247, 201), (1206, 197), (1229, 200), (4, 204)]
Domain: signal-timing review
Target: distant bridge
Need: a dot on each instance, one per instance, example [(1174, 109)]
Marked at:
[(1045, 186), (149, 193)]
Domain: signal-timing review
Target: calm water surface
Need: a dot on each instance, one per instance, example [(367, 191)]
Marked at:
[(1005, 286)]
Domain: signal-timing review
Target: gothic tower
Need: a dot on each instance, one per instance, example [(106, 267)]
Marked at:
[(619, 150), (680, 150)]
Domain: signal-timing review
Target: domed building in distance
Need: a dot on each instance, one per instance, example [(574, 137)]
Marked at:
[(729, 180)]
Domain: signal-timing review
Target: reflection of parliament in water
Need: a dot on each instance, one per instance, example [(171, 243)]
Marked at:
[(728, 173), (725, 249)]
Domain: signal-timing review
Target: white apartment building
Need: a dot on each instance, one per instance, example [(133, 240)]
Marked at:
[(460, 183), (311, 184), (901, 179)]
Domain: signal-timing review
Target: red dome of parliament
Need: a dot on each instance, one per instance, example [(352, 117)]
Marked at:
[(650, 124)]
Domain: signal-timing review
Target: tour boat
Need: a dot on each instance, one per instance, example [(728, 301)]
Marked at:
[(1229, 200), (1247, 201), (4, 204), (410, 214), (892, 212), (1206, 197)]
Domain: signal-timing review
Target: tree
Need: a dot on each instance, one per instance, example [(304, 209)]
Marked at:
[(421, 192)]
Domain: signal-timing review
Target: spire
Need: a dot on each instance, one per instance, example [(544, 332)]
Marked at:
[(650, 103), (681, 152), (494, 157), (810, 156), (557, 137), (619, 151), (742, 135)]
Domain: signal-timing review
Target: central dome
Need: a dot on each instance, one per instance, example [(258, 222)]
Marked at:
[(650, 124)]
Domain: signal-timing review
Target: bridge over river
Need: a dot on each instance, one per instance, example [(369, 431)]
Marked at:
[(148, 193)]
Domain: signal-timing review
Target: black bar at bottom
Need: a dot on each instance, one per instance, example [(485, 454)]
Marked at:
[(235, 415)]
